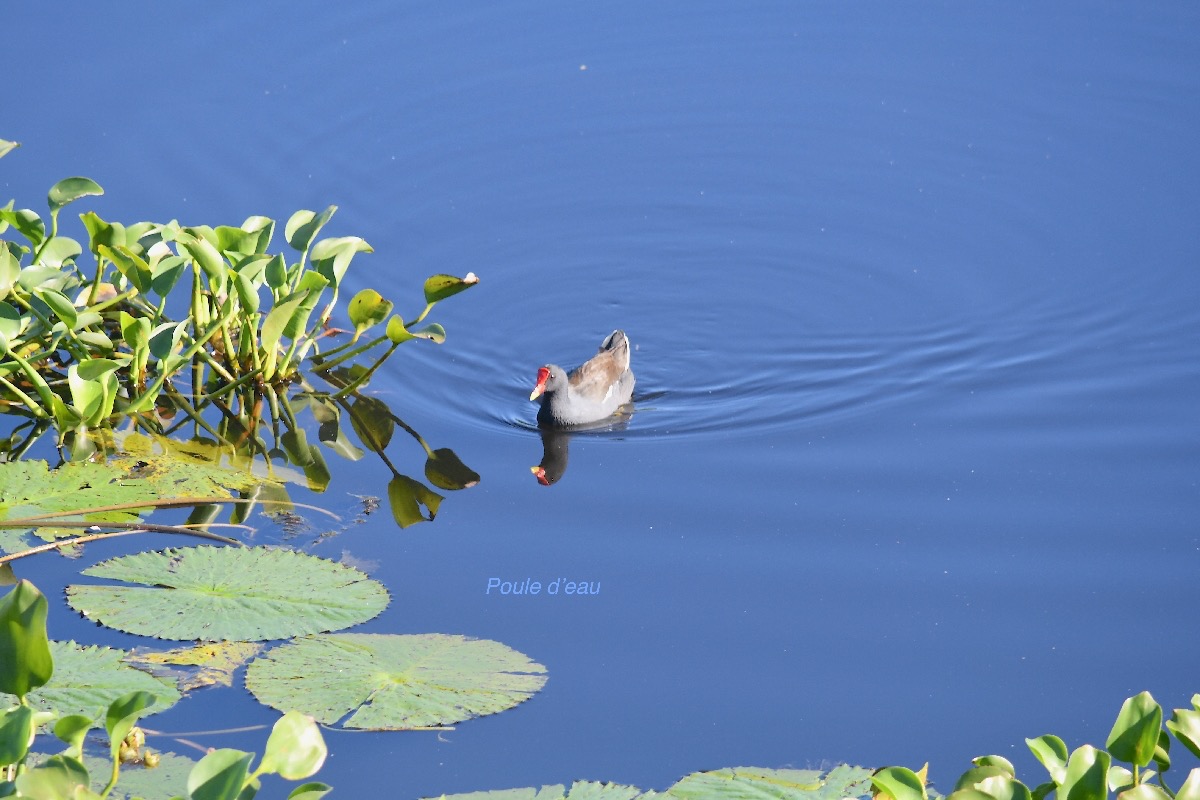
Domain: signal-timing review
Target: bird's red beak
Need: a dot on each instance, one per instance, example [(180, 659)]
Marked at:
[(542, 376), (540, 474)]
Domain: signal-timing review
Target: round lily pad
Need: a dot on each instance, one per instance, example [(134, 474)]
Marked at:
[(227, 594), (393, 682)]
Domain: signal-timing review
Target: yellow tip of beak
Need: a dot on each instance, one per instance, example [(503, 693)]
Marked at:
[(537, 392)]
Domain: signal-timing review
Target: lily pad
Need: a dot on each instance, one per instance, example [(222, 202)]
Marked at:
[(394, 682), (580, 790), (87, 679), (736, 783), (31, 488), (228, 593)]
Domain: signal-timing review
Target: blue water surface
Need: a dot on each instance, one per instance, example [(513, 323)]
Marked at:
[(914, 471)]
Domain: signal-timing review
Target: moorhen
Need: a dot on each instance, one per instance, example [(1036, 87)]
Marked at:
[(591, 393)]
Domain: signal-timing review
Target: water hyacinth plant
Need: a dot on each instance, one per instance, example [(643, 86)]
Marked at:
[(174, 316)]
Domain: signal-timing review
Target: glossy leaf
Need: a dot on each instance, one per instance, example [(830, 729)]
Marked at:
[(976, 774), (238, 240), (109, 234), (246, 291), (1135, 733), (12, 322), (135, 270), (27, 222), (314, 790), (310, 287), (10, 271), (393, 682), (396, 332), (25, 661), (219, 594), (439, 287), (220, 775), (56, 778), (94, 388), (68, 190), (123, 713), (58, 251), (1185, 725), (899, 783), (165, 274), (1087, 775), (996, 761), (17, 727), (433, 332), (206, 256), (276, 273), (1191, 787), (1052, 752), (366, 309), (303, 226), (1119, 778), (60, 305), (331, 257), (73, 729), (295, 749), (1003, 787), (1145, 791)]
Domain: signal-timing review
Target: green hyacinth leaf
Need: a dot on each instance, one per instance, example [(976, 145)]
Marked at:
[(1087, 775), (439, 287), (1052, 752), (396, 332), (303, 227), (331, 257), (60, 305), (1135, 733), (27, 222), (58, 251), (394, 682), (58, 776), (68, 190), (433, 332), (1184, 724), (109, 234), (17, 728), (227, 593), (295, 749), (366, 309), (87, 680), (26, 663), (220, 775), (10, 271)]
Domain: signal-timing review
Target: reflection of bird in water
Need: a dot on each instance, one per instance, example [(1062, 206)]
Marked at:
[(554, 457), (591, 393)]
